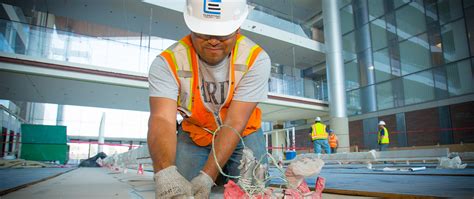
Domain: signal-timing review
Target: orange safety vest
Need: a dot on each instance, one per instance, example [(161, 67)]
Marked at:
[(199, 122), (333, 141)]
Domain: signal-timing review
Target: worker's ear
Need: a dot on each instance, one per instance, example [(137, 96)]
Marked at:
[(238, 31)]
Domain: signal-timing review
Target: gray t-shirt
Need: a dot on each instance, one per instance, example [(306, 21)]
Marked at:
[(253, 87)]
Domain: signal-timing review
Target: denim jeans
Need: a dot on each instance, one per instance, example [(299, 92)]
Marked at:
[(190, 158), (321, 143), (383, 147)]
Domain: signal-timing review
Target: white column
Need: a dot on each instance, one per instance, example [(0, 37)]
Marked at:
[(101, 134), (335, 72)]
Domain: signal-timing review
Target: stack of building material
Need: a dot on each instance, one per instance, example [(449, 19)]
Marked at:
[(19, 163)]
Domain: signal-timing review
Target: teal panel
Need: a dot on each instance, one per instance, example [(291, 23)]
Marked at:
[(43, 134), (45, 152)]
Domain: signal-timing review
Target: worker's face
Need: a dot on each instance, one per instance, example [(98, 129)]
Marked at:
[(380, 126), (213, 49)]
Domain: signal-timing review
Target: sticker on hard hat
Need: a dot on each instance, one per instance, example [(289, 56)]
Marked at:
[(212, 8)]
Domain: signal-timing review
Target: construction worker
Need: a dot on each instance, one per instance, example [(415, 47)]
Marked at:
[(319, 136), (382, 137), (214, 77), (333, 141)]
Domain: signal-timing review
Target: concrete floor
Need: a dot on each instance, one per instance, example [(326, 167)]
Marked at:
[(100, 183)]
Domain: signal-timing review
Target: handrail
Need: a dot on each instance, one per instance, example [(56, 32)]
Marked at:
[(11, 113)]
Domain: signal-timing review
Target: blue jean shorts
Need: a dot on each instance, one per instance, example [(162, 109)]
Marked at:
[(191, 158)]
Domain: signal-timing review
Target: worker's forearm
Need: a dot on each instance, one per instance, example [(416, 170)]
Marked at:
[(225, 142), (162, 143)]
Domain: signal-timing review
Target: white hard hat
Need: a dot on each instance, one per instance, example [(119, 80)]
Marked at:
[(382, 123), (215, 17), (318, 119)]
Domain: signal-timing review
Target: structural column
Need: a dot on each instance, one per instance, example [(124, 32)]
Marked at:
[(101, 134), (60, 115), (335, 73), (278, 141), (364, 56)]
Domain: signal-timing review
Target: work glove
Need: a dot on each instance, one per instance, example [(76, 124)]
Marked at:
[(170, 184), (202, 185)]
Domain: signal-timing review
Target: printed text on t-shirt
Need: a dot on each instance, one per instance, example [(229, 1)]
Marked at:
[(214, 92)]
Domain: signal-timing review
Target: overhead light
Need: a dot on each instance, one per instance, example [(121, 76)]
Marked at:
[(371, 67)]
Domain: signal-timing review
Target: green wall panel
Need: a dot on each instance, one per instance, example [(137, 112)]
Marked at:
[(43, 134), (45, 152)]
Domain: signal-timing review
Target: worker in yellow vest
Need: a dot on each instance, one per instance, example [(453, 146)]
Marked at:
[(383, 139), (319, 137), (214, 77), (333, 141)]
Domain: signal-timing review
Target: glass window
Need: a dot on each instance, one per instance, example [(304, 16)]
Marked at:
[(468, 3), (344, 2), (414, 54), (353, 102), (384, 96), (454, 41), (352, 75), (449, 10), (441, 87), (348, 42), (378, 34), (398, 93), (309, 88), (436, 49), (347, 19), (470, 26), (382, 65), (410, 21), (418, 87), (376, 8), (391, 27), (460, 78), (431, 11), (398, 3)]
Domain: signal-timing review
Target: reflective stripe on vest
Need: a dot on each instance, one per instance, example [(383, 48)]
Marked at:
[(183, 63), (333, 141), (318, 132), (383, 139)]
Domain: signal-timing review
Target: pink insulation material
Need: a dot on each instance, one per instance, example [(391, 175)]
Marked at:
[(233, 191)]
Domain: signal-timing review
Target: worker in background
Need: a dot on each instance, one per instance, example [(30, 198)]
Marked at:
[(382, 137), (333, 141), (319, 137), (215, 78)]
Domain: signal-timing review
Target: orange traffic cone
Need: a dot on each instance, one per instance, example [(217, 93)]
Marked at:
[(140, 169)]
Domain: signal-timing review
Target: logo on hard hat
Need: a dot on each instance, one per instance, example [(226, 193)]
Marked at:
[(212, 8)]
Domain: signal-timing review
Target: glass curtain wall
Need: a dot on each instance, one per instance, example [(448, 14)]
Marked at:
[(418, 51), (41, 34), (294, 77), (10, 128)]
